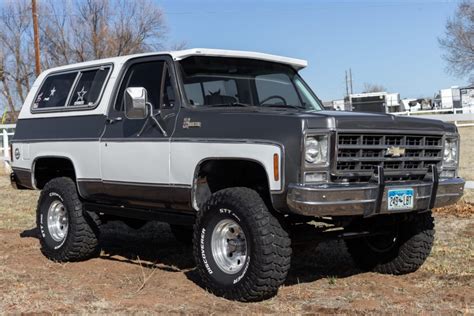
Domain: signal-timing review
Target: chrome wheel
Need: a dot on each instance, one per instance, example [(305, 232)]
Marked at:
[(58, 223), (229, 246)]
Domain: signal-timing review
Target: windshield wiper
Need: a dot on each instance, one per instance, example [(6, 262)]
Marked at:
[(230, 104)]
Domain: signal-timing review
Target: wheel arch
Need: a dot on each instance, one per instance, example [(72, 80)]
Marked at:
[(38, 179), (199, 183)]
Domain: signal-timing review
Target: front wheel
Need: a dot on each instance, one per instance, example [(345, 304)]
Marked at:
[(241, 250), (401, 249), (67, 231)]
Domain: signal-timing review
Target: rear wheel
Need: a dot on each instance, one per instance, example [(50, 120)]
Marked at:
[(241, 250), (67, 231), (399, 250)]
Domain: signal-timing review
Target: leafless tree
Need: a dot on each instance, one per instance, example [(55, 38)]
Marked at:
[(458, 42), (72, 31), (15, 52), (369, 87), (92, 29)]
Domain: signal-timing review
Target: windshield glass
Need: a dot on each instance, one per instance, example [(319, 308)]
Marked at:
[(220, 81)]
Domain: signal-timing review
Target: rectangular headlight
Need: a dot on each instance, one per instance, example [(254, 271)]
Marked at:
[(316, 150), (450, 153)]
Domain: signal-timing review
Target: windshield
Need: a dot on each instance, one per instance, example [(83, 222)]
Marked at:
[(220, 81)]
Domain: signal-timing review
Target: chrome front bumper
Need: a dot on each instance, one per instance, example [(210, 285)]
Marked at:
[(368, 199)]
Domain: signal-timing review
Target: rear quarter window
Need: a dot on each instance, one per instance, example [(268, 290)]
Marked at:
[(72, 90), (55, 91), (88, 88)]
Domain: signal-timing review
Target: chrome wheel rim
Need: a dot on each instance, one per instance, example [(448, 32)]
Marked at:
[(229, 246), (58, 223)]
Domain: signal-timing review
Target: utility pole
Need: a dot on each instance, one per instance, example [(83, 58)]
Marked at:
[(347, 86), (36, 35), (350, 78)]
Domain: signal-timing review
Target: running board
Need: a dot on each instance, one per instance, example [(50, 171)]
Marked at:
[(161, 215)]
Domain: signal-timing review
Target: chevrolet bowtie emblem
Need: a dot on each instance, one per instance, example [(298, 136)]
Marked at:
[(395, 151)]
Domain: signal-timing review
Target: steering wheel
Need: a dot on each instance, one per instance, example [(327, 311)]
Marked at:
[(274, 97)]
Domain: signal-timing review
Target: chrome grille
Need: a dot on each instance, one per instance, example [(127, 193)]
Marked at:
[(359, 154)]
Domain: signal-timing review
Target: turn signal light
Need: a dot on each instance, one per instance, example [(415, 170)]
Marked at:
[(276, 167)]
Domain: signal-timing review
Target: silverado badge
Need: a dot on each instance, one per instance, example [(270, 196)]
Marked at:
[(187, 123), (395, 151)]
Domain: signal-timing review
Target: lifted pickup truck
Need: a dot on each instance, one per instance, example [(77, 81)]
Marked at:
[(235, 151)]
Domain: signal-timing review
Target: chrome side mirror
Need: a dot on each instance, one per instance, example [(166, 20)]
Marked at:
[(135, 100)]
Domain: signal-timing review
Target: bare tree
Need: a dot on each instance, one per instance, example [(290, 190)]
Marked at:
[(458, 42), (369, 87), (93, 29), (72, 31), (178, 45), (16, 56)]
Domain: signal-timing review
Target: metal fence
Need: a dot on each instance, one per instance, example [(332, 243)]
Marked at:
[(460, 116), (6, 133)]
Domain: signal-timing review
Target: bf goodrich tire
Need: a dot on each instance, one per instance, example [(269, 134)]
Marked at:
[(67, 231), (241, 250), (402, 252)]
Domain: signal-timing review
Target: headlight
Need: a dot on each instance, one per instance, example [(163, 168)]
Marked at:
[(450, 154), (316, 149)]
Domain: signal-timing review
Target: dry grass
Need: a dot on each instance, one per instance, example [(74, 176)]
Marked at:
[(466, 165), (17, 207)]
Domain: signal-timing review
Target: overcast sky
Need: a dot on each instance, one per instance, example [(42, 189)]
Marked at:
[(393, 43)]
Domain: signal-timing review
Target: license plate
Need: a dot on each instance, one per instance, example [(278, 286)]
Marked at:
[(400, 199)]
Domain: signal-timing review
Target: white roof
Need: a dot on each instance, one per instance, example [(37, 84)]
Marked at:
[(182, 54)]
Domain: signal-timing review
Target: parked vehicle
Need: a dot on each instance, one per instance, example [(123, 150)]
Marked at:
[(232, 148)]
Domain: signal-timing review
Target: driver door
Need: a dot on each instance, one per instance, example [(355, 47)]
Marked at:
[(135, 153)]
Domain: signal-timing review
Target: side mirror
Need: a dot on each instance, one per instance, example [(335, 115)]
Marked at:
[(135, 100)]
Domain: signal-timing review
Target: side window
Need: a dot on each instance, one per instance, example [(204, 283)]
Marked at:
[(147, 75), (89, 86), (169, 97), (54, 91), (194, 93), (278, 85)]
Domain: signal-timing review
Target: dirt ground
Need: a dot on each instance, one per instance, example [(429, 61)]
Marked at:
[(147, 271)]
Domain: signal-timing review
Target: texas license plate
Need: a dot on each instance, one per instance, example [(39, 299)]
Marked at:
[(400, 199)]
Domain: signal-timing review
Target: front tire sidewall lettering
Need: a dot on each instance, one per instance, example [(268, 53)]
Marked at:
[(208, 260)]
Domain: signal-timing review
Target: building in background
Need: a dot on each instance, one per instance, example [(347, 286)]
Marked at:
[(381, 102), (446, 99), (337, 105), (413, 105), (467, 99), (455, 98)]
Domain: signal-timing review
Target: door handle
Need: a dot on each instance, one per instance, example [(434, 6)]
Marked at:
[(114, 120)]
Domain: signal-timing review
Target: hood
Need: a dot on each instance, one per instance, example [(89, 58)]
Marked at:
[(340, 120), (377, 121)]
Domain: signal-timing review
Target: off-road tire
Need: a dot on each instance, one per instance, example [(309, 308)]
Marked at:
[(82, 239), (183, 234), (269, 246), (413, 245)]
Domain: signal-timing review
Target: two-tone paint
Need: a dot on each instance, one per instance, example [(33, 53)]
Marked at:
[(113, 163)]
